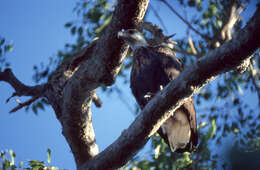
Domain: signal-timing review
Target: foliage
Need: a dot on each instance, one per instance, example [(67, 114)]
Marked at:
[(163, 158), (4, 48), (231, 116), (245, 157), (227, 121), (9, 164), (233, 119)]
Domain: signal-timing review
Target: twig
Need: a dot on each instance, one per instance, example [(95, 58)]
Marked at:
[(121, 97), (175, 93), (193, 49), (234, 15), (178, 50), (159, 18), (185, 21), (7, 100), (100, 68), (253, 78), (96, 100), (224, 34), (27, 103), (21, 89), (159, 37), (243, 66)]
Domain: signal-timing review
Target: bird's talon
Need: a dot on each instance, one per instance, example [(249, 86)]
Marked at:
[(161, 87), (148, 95)]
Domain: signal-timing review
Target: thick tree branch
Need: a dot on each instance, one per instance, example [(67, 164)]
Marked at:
[(71, 87), (97, 64), (19, 87), (207, 68)]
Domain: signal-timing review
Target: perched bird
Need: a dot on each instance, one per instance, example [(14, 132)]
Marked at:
[(153, 68)]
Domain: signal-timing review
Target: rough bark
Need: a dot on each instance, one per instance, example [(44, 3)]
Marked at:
[(71, 87), (220, 60), (101, 66)]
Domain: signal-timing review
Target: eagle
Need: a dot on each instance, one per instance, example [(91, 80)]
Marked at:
[(152, 69)]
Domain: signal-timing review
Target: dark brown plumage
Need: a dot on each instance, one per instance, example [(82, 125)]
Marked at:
[(153, 68)]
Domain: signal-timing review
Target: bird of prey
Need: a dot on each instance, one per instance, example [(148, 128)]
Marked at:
[(153, 68)]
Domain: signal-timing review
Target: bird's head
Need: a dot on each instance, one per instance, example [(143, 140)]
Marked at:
[(133, 38)]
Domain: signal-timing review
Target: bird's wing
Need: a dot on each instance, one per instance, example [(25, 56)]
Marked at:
[(172, 67), (153, 68), (189, 109)]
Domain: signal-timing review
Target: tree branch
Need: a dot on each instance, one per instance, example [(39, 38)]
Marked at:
[(225, 33), (192, 46), (178, 50), (27, 103), (234, 15), (159, 37), (71, 87), (185, 21), (252, 75), (21, 89), (97, 64), (156, 14), (207, 68), (97, 100)]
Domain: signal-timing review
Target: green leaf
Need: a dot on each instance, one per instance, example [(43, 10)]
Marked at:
[(34, 108), (203, 124), (85, 4), (240, 90), (12, 154), (198, 5), (68, 24), (73, 30), (36, 164), (219, 23), (157, 151), (102, 27), (94, 15), (8, 48), (40, 106), (211, 130), (2, 41), (48, 155), (191, 3), (80, 30), (21, 164)]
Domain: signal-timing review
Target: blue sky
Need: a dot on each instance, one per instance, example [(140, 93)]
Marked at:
[(37, 31)]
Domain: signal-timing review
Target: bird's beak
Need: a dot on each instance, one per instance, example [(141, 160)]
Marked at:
[(120, 33)]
